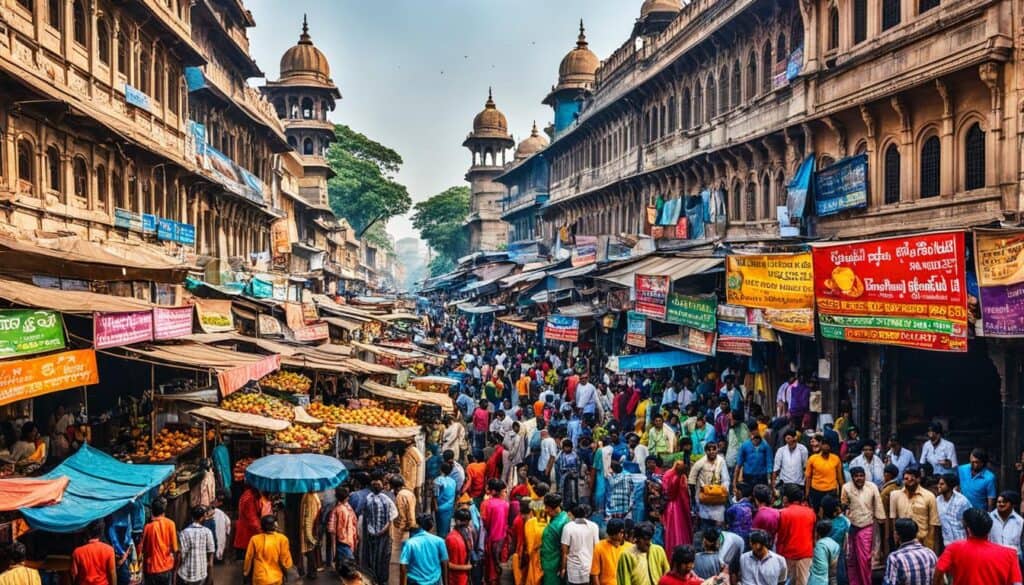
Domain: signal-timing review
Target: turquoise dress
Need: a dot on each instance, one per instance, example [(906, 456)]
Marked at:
[(840, 532), (444, 491), (826, 552), (600, 483)]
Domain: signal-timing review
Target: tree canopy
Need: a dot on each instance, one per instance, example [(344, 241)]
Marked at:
[(364, 186), (439, 221)]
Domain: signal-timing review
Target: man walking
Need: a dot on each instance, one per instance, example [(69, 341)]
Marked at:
[(605, 564), (911, 563), (93, 562), (579, 539), (938, 451), (268, 556), (918, 504), (379, 512), (551, 539), (790, 462), (159, 546), (405, 503), (795, 540), (759, 565), (952, 505), (342, 526), (864, 510), (642, 563), (977, 482), (197, 550), (976, 561), (424, 559)]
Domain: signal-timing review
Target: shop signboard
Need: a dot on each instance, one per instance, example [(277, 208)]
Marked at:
[(137, 98), (316, 332), (23, 379), (735, 345), (261, 289), (797, 190), (740, 330), (269, 325), (795, 63), (127, 219), (309, 314), (842, 186), (696, 311), (25, 332), (562, 328), (618, 299), (693, 340), (770, 281), (795, 321), (651, 295), (636, 329), (585, 251), (214, 316), (149, 223), (115, 329), (733, 313), (999, 263), (172, 322), (908, 291)]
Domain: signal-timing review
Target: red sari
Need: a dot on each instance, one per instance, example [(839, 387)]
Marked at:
[(678, 529)]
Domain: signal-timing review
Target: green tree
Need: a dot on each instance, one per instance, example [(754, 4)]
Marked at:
[(364, 188), (440, 265), (439, 221)]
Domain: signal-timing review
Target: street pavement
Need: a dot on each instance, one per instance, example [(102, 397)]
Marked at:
[(231, 574)]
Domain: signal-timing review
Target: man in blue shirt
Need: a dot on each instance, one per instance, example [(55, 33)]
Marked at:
[(754, 461), (424, 559), (977, 482)]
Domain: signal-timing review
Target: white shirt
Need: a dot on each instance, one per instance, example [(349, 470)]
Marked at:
[(669, 396), (581, 536), (685, 397), (548, 451), (790, 464), (873, 471), (221, 525), (771, 570), (1006, 533), (902, 461), (931, 453), (501, 426), (586, 397)]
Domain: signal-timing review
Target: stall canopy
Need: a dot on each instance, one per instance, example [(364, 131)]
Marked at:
[(297, 473), (413, 396), (98, 486), (29, 493), (653, 361), (240, 420), (480, 309), (380, 433), (524, 325), (68, 301), (675, 267), (73, 257)]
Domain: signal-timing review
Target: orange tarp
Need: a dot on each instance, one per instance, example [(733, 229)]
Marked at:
[(29, 493)]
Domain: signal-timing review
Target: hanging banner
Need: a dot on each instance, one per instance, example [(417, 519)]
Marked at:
[(908, 291), (25, 332), (23, 379), (842, 186), (309, 314), (692, 311), (735, 346), (795, 321), (172, 322), (268, 325), (692, 340), (312, 332), (651, 295), (260, 289), (115, 329), (235, 378), (999, 262), (618, 299), (560, 328), (636, 329), (733, 313), (770, 281), (214, 316), (585, 251), (293, 316), (796, 192), (739, 330)]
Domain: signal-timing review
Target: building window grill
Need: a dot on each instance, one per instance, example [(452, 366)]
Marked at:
[(892, 174), (974, 158), (930, 160)]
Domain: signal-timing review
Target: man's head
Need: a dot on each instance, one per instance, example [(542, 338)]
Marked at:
[(159, 506), (793, 494), (867, 448), (659, 421), (911, 478), (894, 443), (744, 490), (94, 529), (759, 543), (643, 533), (683, 557), (14, 552), (711, 536), (396, 482), (268, 523), (906, 530), (935, 432), (581, 511), (823, 528), (858, 476), (762, 495), (424, 521), (711, 450), (789, 437), (616, 531), (890, 472), (1007, 502), (552, 505), (947, 483), (198, 513), (824, 447), (979, 460)]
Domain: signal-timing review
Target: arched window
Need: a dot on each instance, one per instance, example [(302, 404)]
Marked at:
[(860, 21), (81, 175), (736, 208), (117, 186), (122, 53), (737, 85), (750, 204), (891, 13), (974, 158), (158, 79), (892, 175), (102, 194), (53, 169), (780, 191), (647, 127), (307, 109), (780, 49), (723, 90), (698, 105), (710, 108), (307, 147), (79, 22), (325, 107), (673, 112), (685, 109), (926, 5), (833, 27), (766, 67), (103, 41), (766, 197), (931, 158), (25, 161), (751, 76), (54, 9), (144, 72)]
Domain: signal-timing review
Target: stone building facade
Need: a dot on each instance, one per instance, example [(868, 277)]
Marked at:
[(489, 142)]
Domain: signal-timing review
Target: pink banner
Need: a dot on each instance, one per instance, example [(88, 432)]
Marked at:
[(235, 378), (114, 329), (172, 322)]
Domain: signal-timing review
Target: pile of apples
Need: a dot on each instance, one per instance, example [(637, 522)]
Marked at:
[(373, 416), (173, 443), (259, 404), (302, 438), (238, 471), (287, 382)]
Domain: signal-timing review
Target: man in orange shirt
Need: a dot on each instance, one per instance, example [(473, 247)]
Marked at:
[(159, 546), (824, 475), (476, 473), (93, 562)]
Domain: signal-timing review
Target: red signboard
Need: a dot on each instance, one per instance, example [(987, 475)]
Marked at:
[(114, 329), (651, 295)]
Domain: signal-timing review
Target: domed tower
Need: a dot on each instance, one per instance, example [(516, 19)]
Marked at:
[(303, 96), (576, 78), (655, 15), (533, 144), (489, 142)]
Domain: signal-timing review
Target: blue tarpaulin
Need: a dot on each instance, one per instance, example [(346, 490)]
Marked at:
[(654, 361), (100, 485)]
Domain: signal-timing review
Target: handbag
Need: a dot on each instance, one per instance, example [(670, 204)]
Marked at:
[(714, 494)]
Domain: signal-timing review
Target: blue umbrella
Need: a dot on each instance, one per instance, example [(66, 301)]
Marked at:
[(295, 474)]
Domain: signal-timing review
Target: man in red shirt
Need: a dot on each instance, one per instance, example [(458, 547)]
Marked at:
[(159, 546), (460, 564), (976, 561), (795, 539), (93, 562), (481, 423)]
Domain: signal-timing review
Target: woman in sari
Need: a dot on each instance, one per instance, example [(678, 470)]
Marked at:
[(676, 519), (529, 561)]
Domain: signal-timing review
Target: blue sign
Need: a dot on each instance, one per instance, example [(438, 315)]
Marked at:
[(796, 192), (795, 63), (165, 229), (260, 289), (169, 230), (842, 186), (730, 329), (194, 78), (127, 219), (148, 223), (136, 98), (187, 234)]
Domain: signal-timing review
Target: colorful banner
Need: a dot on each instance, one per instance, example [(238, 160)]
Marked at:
[(999, 262), (115, 329), (585, 251), (842, 186), (692, 311), (909, 291), (268, 325), (796, 193), (25, 332), (738, 330), (770, 281), (735, 346), (636, 329), (795, 321), (312, 332), (172, 322), (23, 379), (651, 295), (260, 289), (214, 316), (618, 299), (561, 328), (690, 339)]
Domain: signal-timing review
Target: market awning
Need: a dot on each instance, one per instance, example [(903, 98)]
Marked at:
[(99, 486), (524, 325), (523, 277), (399, 317), (675, 267), (580, 310), (31, 493), (439, 380), (196, 355), (197, 397), (73, 257), (653, 361), (380, 433), (68, 301), (414, 396), (480, 309), (574, 272), (240, 420), (344, 323)]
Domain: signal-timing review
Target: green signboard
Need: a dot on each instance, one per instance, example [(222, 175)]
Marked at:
[(24, 332), (692, 311)]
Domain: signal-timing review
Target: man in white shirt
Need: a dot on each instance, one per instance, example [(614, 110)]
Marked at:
[(548, 453), (501, 424), (579, 538), (782, 397), (873, 467), (1007, 524), (938, 451), (685, 393), (790, 461), (898, 456), (586, 395)]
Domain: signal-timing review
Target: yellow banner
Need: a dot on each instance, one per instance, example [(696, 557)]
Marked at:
[(770, 281), (999, 256)]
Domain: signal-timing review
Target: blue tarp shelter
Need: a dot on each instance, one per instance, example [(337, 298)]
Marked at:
[(654, 361), (99, 486)]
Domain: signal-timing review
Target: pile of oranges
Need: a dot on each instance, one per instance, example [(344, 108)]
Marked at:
[(374, 416)]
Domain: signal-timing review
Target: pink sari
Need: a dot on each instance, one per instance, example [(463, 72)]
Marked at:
[(678, 529)]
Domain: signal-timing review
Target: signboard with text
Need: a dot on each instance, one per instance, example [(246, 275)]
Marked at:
[(651, 295)]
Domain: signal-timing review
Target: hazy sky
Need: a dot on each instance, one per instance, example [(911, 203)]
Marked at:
[(413, 73)]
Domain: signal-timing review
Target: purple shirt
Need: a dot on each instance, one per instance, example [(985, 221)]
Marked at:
[(739, 518), (766, 519), (799, 400)]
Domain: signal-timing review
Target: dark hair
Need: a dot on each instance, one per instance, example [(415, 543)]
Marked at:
[(762, 494), (644, 530), (823, 528), (951, 479), (856, 470), (94, 529), (268, 523), (198, 512), (495, 485), (868, 443), (341, 494), (891, 470), (745, 489), (541, 489), (829, 506), (15, 552), (159, 506), (448, 455), (425, 521), (447, 467), (980, 454), (396, 481), (906, 529), (1011, 496), (935, 428), (978, 522), (462, 515), (789, 433), (615, 526), (794, 493), (581, 511), (712, 534), (553, 501), (760, 537), (683, 554)]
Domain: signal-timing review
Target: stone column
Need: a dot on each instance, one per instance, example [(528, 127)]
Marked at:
[(1003, 354), (10, 162), (906, 149), (946, 167), (989, 73)]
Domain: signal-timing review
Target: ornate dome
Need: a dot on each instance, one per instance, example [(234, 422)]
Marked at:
[(659, 6), (305, 60), (490, 123), (532, 145), (580, 65)]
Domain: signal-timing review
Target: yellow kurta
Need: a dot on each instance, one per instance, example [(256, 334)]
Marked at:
[(533, 531)]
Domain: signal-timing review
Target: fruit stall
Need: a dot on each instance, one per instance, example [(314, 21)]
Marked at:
[(436, 384), (423, 407)]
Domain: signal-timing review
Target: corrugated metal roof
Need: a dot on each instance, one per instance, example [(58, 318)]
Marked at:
[(674, 267)]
